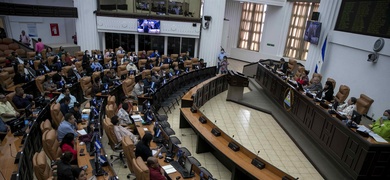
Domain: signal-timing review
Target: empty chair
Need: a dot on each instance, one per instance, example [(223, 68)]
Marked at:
[(128, 150), (141, 171), (45, 126), (21, 53), (50, 60), (146, 72), (42, 169), (194, 161), (95, 75), (343, 94), (6, 81), (141, 63), (13, 46), (7, 41), (86, 86), (122, 71), (363, 104), (205, 172), (50, 144), (188, 64), (11, 70), (31, 55), (128, 86), (110, 112), (175, 140), (115, 145), (56, 114), (79, 66)]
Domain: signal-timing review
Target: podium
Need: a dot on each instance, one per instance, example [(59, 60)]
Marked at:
[(237, 81)]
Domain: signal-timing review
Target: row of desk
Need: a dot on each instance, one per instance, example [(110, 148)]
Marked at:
[(360, 157), (238, 162), (22, 148)]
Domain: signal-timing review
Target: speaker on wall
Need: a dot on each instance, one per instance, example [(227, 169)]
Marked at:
[(315, 16)]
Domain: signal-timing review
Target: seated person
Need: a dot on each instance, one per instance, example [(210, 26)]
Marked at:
[(97, 86), (138, 89), (64, 167), (48, 85), (147, 81), (22, 100), (21, 76), (155, 54), (202, 64), (108, 78), (143, 147), (155, 170), (149, 65), (346, 109), (79, 174), (327, 92), (283, 65), (143, 55), (3, 127), (7, 111), (186, 56), (156, 78), (59, 80), (303, 79), (382, 126), (29, 70), (57, 64), (65, 105), (74, 73), (316, 86), (132, 67), (75, 110), (121, 132), (67, 145), (68, 59), (123, 114), (66, 92), (66, 126), (167, 60), (96, 66)]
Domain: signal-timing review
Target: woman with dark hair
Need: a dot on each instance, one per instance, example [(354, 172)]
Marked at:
[(96, 85), (143, 147), (67, 145), (79, 174), (327, 92), (64, 169)]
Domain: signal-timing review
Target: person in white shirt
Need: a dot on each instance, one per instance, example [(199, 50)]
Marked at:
[(132, 67), (138, 89), (123, 114), (121, 132), (120, 50), (347, 108)]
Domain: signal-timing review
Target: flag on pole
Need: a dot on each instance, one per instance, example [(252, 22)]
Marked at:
[(323, 51)]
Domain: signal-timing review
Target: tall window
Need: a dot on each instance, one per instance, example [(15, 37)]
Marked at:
[(251, 27), (296, 47)]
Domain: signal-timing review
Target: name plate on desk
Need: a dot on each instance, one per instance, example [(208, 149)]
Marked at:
[(216, 132), (234, 146)]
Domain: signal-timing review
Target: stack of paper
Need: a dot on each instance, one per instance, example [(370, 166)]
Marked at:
[(169, 169), (137, 118), (372, 134), (82, 132)]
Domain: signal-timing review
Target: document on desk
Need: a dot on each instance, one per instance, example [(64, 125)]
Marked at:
[(137, 118), (82, 132), (377, 137), (169, 169)]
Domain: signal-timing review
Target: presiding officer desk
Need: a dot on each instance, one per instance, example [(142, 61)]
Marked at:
[(238, 162), (360, 157)]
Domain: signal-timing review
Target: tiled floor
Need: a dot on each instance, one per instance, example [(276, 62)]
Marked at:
[(254, 129)]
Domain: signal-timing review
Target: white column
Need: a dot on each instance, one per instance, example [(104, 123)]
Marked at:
[(196, 54), (328, 19), (136, 44), (211, 38), (165, 45), (87, 35)]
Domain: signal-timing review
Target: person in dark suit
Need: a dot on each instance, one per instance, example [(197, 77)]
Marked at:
[(283, 65), (143, 147), (327, 92), (75, 110), (64, 105), (107, 78)]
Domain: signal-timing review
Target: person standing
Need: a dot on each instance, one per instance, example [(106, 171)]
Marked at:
[(220, 59), (39, 46), (224, 65), (23, 38)]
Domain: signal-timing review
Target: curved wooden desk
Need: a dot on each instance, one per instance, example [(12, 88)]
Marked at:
[(358, 156), (239, 163)]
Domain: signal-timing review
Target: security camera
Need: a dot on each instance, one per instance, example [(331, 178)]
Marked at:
[(207, 18), (373, 57)]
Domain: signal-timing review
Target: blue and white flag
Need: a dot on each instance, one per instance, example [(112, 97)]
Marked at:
[(323, 51)]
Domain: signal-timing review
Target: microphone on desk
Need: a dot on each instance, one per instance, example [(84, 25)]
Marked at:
[(10, 150), (258, 153)]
